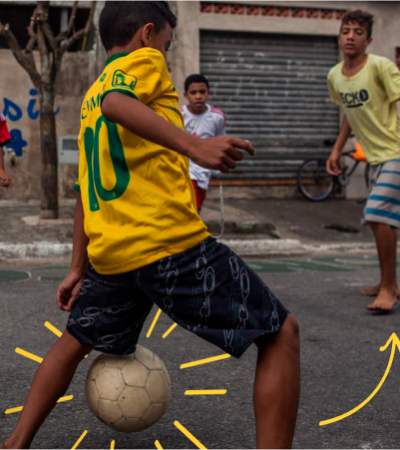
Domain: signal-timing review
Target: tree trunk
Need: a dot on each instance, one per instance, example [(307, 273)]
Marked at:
[(48, 143)]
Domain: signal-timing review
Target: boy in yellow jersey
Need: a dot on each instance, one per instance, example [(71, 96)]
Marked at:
[(138, 239), (367, 87)]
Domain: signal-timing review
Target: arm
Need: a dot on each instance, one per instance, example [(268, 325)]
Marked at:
[(3, 176), (215, 153), (69, 289), (221, 131), (332, 164)]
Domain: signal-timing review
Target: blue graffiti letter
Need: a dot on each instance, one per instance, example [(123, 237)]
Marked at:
[(12, 110), (17, 143), (31, 113)]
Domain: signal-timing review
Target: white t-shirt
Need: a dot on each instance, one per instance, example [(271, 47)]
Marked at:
[(206, 125)]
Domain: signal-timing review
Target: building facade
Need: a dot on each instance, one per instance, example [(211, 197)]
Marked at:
[(267, 64)]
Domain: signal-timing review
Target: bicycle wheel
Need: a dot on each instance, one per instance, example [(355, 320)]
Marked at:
[(314, 183)]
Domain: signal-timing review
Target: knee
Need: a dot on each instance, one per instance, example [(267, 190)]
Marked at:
[(290, 332), (377, 226), (292, 326)]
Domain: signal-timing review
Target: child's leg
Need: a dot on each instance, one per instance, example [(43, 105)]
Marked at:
[(374, 290), (386, 243), (49, 384), (232, 307), (277, 386)]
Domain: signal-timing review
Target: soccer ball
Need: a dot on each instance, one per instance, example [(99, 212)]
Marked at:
[(128, 393)]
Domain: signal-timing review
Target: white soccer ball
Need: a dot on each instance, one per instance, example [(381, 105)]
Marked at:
[(128, 393)]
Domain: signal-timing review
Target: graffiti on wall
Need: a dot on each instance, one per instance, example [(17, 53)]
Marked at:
[(14, 113)]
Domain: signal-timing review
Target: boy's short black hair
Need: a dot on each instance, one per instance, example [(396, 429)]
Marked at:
[(360, 17), (196, 78), (119, 21)]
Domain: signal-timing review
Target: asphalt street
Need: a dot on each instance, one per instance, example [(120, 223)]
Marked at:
[(341, 364)]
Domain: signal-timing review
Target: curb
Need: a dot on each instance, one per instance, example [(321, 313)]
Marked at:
[(40, 249), (244, 228), (292, 247), (243, 247)]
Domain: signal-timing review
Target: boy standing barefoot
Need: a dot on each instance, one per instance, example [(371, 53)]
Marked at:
[(138, 239), (367, 87)]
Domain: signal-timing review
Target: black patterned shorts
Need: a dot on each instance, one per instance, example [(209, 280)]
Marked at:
[(207, 290)]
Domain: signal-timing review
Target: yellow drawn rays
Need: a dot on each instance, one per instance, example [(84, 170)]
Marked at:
[(205, 361), (79, 440), (207, 392), (56, 331), (28, 355), (177, 424), (189, 435), (39, 360), (153, 324), (169, 330), (19, 408)]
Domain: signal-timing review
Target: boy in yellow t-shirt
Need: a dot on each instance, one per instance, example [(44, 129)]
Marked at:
[(138, 239), (367, 87)]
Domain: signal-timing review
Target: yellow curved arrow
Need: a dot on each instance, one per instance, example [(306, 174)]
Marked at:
[(395, 342)]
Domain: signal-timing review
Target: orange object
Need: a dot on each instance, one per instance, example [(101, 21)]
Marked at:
[(359, 154)]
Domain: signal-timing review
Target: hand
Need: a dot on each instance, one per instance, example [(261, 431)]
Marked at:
[(332, 164), (68, 291), (4, 178), (219, 153)]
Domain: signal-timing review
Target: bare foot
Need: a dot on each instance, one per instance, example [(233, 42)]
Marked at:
[(374, 291), (386, 301)]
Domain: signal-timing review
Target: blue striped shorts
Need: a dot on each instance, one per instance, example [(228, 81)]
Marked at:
[(383, 203)]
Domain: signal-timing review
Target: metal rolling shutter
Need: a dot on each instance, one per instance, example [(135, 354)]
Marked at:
[(273, 91)]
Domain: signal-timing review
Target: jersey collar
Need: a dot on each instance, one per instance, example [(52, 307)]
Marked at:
[(116, 56)]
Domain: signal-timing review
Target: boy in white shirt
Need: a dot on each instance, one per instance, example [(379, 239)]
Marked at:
[(204, 121)]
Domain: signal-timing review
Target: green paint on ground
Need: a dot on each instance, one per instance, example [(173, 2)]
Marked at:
[(51, 278), (317, 266), (8, 276), (270, 266), (345, 263), (36, 269)]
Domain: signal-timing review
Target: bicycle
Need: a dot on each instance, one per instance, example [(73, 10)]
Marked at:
[(316, 185)]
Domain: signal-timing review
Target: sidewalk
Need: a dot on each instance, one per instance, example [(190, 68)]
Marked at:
[(262, 227)]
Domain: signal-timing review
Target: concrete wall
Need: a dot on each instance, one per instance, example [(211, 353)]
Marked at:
[(17, 91), (65, 3), (79, 71), (185, 58)]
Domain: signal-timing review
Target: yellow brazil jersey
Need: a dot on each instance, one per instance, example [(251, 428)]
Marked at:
[(369, 99), (137, 196)]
